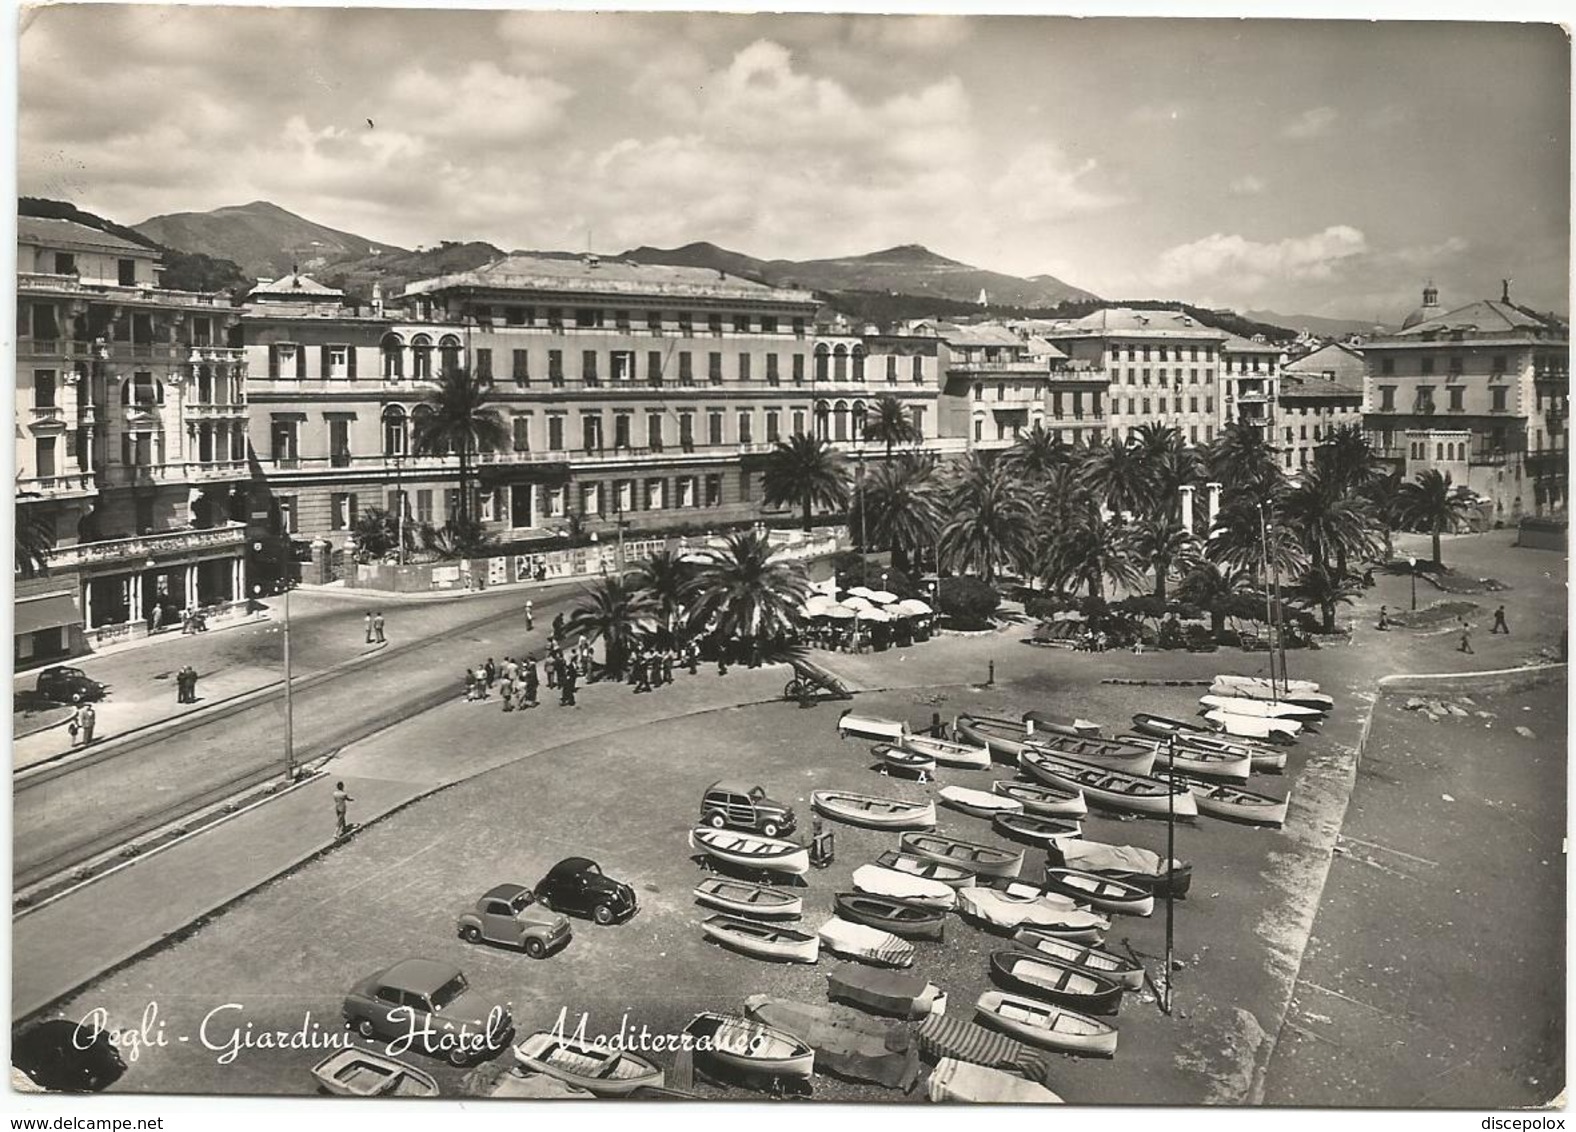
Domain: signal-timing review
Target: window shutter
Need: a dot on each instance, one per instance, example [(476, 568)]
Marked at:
[(273, 363), (323, 362), (352, 508), (350, 361), (300, 363)]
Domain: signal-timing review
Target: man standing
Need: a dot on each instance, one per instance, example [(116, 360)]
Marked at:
[(369, 629), (82, 724), (558, 627), (667, 666), (377, 627), (341, 800), (1499, 623), (568, 678), (530, 681), (1466, 638), (1384, 619), (642, 672), (530, 615)]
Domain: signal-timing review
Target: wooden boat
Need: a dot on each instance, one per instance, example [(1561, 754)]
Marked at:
[(1261, 682), (1057, 724), (1254, 726), (749, 1047), (1263, 690), (985, 859), (954, 1080), (854, 726), (953, 876), (892, 993), (949, 752), (597, 1069), (1044, 978), (909, 762), (878, 881), (1045, 1024), (518, 1085), (1126, 863), (764, 941), (362, 1073), (1004, 738), (1019, 890), (872, 812), (1112, 789), (1197, 760), (979, 803), (1219, 800), (1008, 740), (744, 898), (751, 851), (1004, 912), (1124, 972), (1265, 759), (866, 944), (1113, 754), (1042, 799), (1095, 890), (1035, 830), (1269, 709), (888, 914)]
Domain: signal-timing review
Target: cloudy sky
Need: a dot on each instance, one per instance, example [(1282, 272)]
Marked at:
[(1313, 168)]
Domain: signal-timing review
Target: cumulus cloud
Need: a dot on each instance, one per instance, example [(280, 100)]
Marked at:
[(1248, 266), (1312, 123), (1248, 185)]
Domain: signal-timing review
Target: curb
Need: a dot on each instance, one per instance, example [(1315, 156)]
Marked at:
[(46, 727)]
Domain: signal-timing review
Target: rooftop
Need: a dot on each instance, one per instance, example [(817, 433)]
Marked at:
[(293, 286), (1294, 385), (1126, 322), (592, 275), (68, 233), (1236, 344), (1486, 318)]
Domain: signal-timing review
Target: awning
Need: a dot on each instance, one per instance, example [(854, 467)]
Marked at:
[(48, 612)]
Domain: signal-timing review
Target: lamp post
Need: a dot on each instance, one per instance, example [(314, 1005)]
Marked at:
[(1264, 559), (859, 485), (290, 766), (1412, 564), (1171, 854)]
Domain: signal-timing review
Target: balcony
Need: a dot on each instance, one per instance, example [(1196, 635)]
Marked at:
[(218, 355), (217, 471), (143, 547), (215, 412), (185, 472), (992, 369), (1487, 457), (71, 485), (33, 281), (47, 416)]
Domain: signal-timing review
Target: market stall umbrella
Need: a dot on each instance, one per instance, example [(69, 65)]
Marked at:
[(912, 607), (881, 597), (859, 591), (840, 613), (858, 603), (817, 604), (874, 615)]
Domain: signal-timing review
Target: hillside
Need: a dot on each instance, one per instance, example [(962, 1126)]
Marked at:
[(1323, 327), (264, 239), (183, 271), (396, 268)]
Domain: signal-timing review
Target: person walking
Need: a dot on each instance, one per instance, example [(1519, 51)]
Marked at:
[(490, 670), (643, 672), (692, 657), (1384, 619), (377, 627), (667, 666), (568, 679), (82, 724), (530, 680), (530, 615), (1466, 638), (1499, 623), (369, 629), (342, 800), (558, 627)]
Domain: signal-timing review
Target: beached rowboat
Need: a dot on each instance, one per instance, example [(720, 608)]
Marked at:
[(866, 944), (1015, 889), (1005, 912), (764, 941), (879, 881), (1261, 682), (1111, 789), (872, 812), (954, 1080), (1268, 709), (900, 759), (1044, 978), (854, 726), (986, 859), (1058, 724), (1254, 726), (953, 876), (949, 752), (365, 1073), (1265, 758), (743, 898), (1197, 760), (1096, 890), (889, 914), (1035, 830), (1124, 972), (1044, 800), (1126, 863), (750, 851), (979, 803), (1045, 1024), (1233, 803), (1264, 691), (1113, 754), (750, 1047), (597, 1069)]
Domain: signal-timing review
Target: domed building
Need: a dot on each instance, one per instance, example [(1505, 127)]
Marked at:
[(1429, 310)]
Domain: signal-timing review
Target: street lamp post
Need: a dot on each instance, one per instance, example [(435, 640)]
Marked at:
[(859, 483), (290, 766), (1269, 618), (1171, 853), (1412, 563)]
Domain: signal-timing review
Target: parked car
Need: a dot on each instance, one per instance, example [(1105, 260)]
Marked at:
[(428, 1006), (579, 886), (68, 685), (509, 914), (62, 1056), (733, 805)]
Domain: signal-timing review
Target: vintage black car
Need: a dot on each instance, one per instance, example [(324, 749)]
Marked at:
[(61, 1056), (68, 685), (578, 886)]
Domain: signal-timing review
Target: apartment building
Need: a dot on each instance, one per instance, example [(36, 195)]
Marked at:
[(633, 394), (132, 441), (1481, 392), (852, 371), (1159, 366), (1320, 392), (1000, 382), (1249, 381)]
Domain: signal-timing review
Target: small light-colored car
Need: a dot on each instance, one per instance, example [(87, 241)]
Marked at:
[(510, 915), (738, 805)]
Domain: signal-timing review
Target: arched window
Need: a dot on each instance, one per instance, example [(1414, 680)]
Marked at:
[(821, 356), (395, 438), (421, 358), (859, 363), (822, 414), (859, 420), (840, 421), (449, 353), (142, 391), (840, 363), (393, 351)]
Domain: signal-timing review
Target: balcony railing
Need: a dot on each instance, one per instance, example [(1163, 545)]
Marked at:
[(144, 547), (57, 486), (47, 415), (212, 411), (225, 355), (71, 285), (988, 369)]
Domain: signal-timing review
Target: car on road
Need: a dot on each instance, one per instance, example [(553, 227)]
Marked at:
[(428, 1006), (68, 685), (509, 914), (578, 885), (737, 805)]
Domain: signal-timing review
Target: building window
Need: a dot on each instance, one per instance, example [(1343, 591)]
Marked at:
[(654, 367), (916, 414), (654, 431), (339, 442), (741, 324), (484, 370), (1497, 399), (744, 367), (1497, 366), (522, 434), (555, 433), (686, 491), (621, 364), (746, 428), (1457, 392), (714, 368), (714, 324), (342, 510), (798, 326), (621, 321), (587, 318), (773, 432), (686, 368), (1387, 366), (656, 492), (621, 430), (745, 490), (522, 367), (1192, 404), (284, 434), (979, 429), (714, 427), (1387, 398), (714, 490), (588, 367), (1425, 399), (798, 369), (654, 321), (517, 316), (623, 496), (591, 499), (556, 501), (591, 432), (772, 376), (394, 434), (1209, 404), (126, 272), (142, 391), (555, 368), (687, 431), (798, 422)]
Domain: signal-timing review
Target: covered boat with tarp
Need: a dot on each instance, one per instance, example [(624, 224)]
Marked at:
[(893, 993), (943, 1035), (846, 1043), (1002, 912), (1126, 863), (954, 1080), (866, 944)]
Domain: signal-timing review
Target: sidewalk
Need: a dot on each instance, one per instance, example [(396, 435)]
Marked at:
[(200, 875)]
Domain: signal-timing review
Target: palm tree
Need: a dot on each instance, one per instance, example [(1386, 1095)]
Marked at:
[(1213, 588), (664, 577), (1432, 503), (1347, 458), (1333, 523), (887, 422), (35, 541), (1173, 467), (1159, 542), (1320, 589), (1244, 463), (377, 532), (458, 421), (1088, 552), (459, 538), (991, 518), (616, 612), (805, 472), (1035, 455), (1117, 476), (1241, 539), (899, 507), (745, 592)]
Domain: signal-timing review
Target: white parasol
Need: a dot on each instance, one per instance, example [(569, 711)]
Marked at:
[(860, 603), (839, 613), (912, 607), (874, 615)]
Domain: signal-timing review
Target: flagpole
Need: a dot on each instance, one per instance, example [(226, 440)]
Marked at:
[(1171, 832)]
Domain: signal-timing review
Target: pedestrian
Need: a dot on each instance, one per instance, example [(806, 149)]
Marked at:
[(369, 629), (531, 682), (377, 627), (634, 665), (82, 724), (692, 657), (1499, 622), (480, 676), (552, 664), (506, 690), (342, 799), (191, 684), (490, 670), (568, 680), (642, 674), (470, 684), (1466, 638), (667, 666), (157, 617), (530, 616), (1384, 619), (937, 728), (558, 627), (722, 660)]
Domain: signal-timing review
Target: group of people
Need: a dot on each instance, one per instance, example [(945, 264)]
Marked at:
[(375, 628), (186, 685), (650, 667), (517, 682)]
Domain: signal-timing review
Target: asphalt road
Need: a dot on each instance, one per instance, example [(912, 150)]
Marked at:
[(65, 815)]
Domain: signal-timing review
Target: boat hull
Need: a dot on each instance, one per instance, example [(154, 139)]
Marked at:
[(1269, 709), (797, 1062), (1234, 804), (1150, 800), (890, 914), (978, 803), (783, 856), (948, 752), (1044, 800), (534, 1054), (1031, 974), (953, 876), (1031, 830), (1255, 727), (862, 810), (1046, 1025), (1123, 972), (894, 757), (875, 880), (984, 859), (1311, 699), (738, 934), (752, 901), (1108, 895)]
